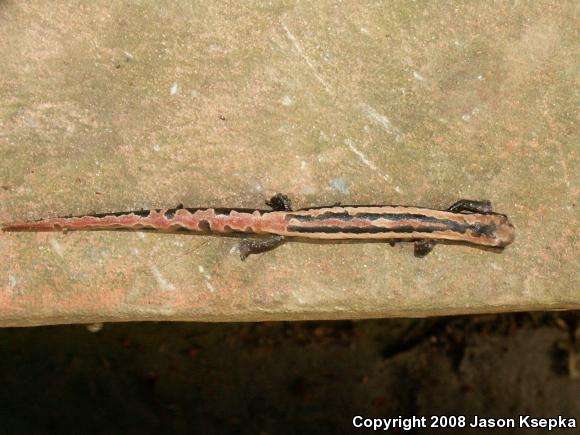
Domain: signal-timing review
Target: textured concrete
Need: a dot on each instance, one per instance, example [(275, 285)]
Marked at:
[(111, 106)]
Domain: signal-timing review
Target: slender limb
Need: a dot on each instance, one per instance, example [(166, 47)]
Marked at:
[(251, 246), (471, 206), (423, 247), (279, 202)]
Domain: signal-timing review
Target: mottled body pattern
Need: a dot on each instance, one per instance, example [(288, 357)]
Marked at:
[(466, 221)]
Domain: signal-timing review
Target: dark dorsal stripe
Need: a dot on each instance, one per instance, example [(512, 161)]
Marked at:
[(345, 216), (371, 230)]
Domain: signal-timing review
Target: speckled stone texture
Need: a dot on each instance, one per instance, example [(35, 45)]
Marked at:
[(119, 106)]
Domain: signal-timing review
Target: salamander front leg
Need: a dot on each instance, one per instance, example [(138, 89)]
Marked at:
[(279, 202), (423, 247), (471, 206), (250, 246)]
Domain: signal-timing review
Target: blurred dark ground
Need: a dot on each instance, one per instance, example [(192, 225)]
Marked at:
[(286, 377)]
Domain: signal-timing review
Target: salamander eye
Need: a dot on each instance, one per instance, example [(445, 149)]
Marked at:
[(482, 230)]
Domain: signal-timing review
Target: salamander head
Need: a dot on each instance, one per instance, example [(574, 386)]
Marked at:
[(493, 230)]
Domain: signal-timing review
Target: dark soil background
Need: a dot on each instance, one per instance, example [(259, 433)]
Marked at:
[(286, 377)]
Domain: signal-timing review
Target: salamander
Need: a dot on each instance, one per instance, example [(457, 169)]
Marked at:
[(466, 221)]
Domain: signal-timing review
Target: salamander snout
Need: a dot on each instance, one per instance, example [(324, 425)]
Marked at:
[(505, 231)]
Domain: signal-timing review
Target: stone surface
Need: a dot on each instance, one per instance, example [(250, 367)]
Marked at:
[(113, 106)]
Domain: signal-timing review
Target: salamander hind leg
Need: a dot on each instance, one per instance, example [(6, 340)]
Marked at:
[(279, 202), (249, 246), (423, 247), (471, 206)]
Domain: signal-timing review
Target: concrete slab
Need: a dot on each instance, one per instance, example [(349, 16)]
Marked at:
[(114, 106)]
